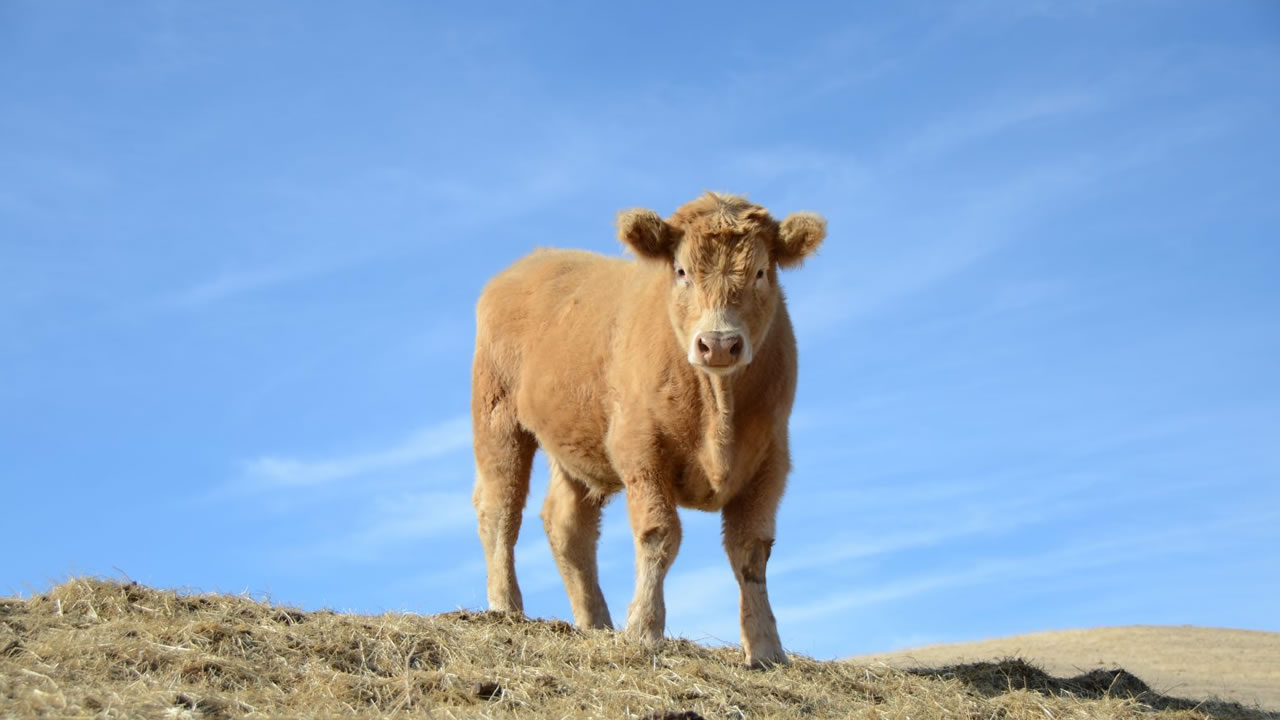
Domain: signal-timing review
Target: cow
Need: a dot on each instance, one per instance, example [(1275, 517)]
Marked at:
[(670, 376)]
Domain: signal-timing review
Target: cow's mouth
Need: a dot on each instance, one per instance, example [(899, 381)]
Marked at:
[(720, 371)]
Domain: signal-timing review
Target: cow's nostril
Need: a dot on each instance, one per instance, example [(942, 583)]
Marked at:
[(735, 349), (702, 347)]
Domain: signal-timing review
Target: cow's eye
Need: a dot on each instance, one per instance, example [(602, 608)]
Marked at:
[(760, 274), (680, 272)]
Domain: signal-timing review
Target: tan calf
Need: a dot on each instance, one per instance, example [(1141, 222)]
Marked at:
[(670, 377)]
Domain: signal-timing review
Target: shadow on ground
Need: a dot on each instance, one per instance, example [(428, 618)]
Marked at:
[(995, 678)]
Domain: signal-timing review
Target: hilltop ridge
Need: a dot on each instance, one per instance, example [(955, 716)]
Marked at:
[(106, 649), (1185, 660)]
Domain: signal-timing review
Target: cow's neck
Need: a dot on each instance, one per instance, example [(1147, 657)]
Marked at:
[(716, 455)]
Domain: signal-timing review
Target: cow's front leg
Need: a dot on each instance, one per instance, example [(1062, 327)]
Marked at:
[(656, 526), (748, 540)]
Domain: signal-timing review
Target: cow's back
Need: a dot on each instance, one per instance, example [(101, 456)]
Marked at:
[(545, 327)]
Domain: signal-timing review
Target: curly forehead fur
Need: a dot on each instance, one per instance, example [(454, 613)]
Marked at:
[(717, 224), (721, 214)]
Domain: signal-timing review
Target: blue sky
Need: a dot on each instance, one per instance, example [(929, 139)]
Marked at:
[(240, 245)]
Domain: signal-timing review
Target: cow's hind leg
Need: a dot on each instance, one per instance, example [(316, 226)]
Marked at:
[(571, 517), (504, 457)]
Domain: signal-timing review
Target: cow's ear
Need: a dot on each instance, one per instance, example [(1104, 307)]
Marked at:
[(798, 236), (646, 233)]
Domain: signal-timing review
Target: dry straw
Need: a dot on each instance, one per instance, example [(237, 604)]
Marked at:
[(94, 648)]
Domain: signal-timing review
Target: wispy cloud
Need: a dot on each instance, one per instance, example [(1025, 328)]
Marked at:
[(966, 226), (935, 515), (967, 127), (274, 471), (927, 251), (918, 251), (391, 525), (462, 584), (237, 282), (408, 517), (1065, 562)]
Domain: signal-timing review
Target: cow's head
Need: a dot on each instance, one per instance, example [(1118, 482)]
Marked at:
[(722, 254)]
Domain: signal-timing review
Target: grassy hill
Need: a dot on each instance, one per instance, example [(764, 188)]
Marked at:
[(1194, 662), (91, 648)]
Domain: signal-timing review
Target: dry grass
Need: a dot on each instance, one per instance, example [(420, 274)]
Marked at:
[(1195, 662), (91, 648)]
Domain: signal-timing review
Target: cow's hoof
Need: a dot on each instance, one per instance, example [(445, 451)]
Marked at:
[(642, 637), (762, 661)]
